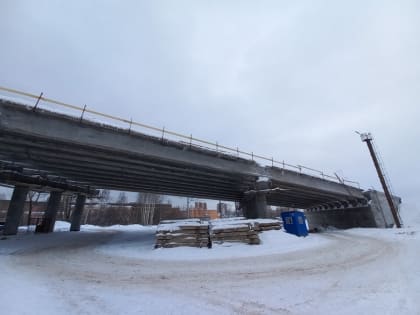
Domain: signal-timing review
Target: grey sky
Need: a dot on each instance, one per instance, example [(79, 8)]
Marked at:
[(289, 79)]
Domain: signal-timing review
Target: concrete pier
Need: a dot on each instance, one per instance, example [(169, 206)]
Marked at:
[(48, 221), (255, 204), (376, 213), (76, 216), (341, 218), (15, 210)]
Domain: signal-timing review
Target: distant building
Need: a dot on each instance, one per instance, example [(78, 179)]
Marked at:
[(37, 211), (222, 209), (200, 211), (201, 205), (167, 212)]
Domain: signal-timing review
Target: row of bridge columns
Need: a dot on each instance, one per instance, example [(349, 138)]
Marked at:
[(253, 207), (17, 206)]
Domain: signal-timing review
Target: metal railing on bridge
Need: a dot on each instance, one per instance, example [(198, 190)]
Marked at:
[(192, 141)]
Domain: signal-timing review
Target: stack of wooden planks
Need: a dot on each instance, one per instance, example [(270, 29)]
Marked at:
[(261, 225), (174, 233), (197, 233), (235, 232)]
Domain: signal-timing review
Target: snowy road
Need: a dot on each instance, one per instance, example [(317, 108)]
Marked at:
[(116, 271)]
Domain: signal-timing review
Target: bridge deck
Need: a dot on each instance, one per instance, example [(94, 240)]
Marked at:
[(109, 157)]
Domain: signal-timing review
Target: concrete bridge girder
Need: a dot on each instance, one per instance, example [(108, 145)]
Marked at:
[(122, 175), (78, 154), (113, 158), (100, 136)]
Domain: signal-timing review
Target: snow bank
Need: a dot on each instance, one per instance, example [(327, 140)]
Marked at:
[(117, 227), (240, 220), (263, 179), (61, 226), (410, 214), (176, 225)]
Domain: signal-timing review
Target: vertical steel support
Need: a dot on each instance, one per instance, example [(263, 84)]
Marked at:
[(388, 196)]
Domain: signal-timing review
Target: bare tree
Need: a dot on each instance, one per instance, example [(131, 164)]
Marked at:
[(105, 196), (67, 201), (122, 198), (146, 206), (121, 213)]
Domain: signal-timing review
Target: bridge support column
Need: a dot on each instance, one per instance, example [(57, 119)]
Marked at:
[(76, 216), (255, 207), (15, 210), (260, 205), (48, 221)]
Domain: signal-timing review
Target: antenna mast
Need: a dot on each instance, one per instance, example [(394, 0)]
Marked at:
[(367, 137)]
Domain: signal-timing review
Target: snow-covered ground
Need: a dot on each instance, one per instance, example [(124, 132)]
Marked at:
[(115, 270)]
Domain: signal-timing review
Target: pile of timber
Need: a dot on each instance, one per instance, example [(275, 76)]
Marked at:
[(241, 229), (261, 225), (234, 231), (175, 233), (198, 233)]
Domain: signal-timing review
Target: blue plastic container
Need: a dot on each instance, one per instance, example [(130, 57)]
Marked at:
[(294, 222)]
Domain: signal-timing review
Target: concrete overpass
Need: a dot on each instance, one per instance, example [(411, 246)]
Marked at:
[(94, 154)]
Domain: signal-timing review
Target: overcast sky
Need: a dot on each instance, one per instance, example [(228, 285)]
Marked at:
[(289, 79)]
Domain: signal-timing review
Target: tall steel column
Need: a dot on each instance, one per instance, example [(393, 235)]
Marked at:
[(367, 137)]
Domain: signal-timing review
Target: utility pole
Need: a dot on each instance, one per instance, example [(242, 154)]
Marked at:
[(367, 137)]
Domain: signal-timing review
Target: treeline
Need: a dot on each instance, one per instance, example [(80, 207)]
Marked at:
[(145, 210)]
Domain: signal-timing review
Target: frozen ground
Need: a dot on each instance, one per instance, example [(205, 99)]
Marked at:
[(116, 271)]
